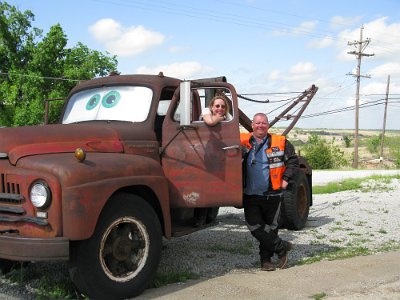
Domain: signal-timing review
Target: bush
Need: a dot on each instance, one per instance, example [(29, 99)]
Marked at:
[(393, 143), (373, 144), (347, 140), (323, 155)]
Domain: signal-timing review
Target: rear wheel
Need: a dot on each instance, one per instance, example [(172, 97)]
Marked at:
[(296, 202), (121, 258)]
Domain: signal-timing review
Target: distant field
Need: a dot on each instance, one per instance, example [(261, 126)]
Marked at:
[(367, 159)]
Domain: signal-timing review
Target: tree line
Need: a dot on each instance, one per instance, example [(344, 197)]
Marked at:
[(35, 67)]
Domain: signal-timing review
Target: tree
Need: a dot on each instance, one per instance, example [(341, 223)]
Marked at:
[(38, 68)]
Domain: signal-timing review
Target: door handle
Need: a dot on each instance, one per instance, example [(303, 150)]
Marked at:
[(231, 147)]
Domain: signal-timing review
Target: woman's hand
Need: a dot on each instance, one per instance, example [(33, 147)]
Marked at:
[(212, 120)]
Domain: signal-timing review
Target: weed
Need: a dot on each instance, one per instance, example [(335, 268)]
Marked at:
[(336, 241), (335, 253), (47, 286), (162, 279), (355, 184), (360, 223), (244, 249), (48, 289), (318, 296), (355, 234), (390, 246)]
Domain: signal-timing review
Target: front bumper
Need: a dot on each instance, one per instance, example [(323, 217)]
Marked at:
[(15, 247)]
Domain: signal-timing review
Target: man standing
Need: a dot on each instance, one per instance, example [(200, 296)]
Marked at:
[(269, 164)]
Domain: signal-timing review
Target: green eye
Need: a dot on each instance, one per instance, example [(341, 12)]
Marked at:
[(93, 101), (111, 99)]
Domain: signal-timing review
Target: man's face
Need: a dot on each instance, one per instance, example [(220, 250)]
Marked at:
[(260, 126)]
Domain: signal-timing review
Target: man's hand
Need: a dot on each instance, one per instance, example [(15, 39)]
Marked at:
[(284, 184)]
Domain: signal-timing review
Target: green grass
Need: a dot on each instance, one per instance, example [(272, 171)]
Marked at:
[(318, 296), (334, 254), (244, 249), (354, 184), (347, 252), (46, 286), (162, 279)]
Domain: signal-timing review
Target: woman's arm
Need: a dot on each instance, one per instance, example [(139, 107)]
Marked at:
[(210, 119)]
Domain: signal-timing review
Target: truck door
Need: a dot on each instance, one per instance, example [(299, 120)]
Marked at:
[(202, 163)]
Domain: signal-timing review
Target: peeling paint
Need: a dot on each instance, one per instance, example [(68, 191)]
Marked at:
[(193, 197)]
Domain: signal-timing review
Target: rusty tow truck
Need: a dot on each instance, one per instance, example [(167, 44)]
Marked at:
[(128, 164)]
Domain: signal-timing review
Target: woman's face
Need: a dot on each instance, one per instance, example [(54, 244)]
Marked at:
[(218, 108)]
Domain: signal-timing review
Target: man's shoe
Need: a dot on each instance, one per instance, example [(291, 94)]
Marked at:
[(283, 259), (267, 266)]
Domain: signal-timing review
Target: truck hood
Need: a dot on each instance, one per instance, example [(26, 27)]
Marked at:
[(19, 142)]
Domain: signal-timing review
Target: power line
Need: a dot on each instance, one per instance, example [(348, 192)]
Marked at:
[(37, 76)]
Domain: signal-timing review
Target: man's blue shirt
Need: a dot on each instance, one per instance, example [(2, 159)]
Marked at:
[(257, 177)]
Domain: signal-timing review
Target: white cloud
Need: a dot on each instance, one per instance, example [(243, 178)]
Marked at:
[(339, 22), (124, 41), (302, 68), (274, 75), (384, 40), (373, 88), (299, 74), (183, 70), (179, 49), (305, 27), (382, 71), (324, 43)]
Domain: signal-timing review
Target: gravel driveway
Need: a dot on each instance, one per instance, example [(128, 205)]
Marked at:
[(360, 221), (346, 219)]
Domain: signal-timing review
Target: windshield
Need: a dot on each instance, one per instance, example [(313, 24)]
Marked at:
[(120, 103)]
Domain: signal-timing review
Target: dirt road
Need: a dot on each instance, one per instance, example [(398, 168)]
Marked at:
[(364, 277)]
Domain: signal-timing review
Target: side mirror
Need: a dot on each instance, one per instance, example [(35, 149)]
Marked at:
[(185, 103)]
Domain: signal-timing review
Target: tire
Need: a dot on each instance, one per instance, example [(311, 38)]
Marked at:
[(296, 202), (120, 260), (7, 265), (212, 214)]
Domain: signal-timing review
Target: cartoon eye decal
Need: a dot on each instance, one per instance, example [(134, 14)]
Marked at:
[(111, 99), (93, 101)]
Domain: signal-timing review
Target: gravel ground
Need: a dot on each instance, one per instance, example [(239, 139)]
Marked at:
[(351, 219), (345, 219)]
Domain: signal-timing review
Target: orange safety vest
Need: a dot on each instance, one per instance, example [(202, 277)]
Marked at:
[(275, 154)]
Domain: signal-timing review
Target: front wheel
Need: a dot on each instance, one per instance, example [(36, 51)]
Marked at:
[(7, 265), (296, 202), (121, 258)]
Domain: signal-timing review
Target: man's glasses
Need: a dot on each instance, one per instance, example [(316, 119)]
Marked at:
[(219, 105)]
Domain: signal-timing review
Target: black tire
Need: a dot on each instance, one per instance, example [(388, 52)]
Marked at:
[(7, 265), (296, 202), (120, 260), (212, 214)]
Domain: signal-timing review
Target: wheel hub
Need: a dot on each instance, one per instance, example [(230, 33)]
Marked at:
[(122, 248)]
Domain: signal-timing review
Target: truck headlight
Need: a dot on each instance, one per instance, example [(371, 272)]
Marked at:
[(40, 194)]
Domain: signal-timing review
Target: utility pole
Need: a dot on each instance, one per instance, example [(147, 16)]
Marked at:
[(384, 118), (359, 54)]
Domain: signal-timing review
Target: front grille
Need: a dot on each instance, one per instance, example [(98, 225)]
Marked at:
[(9, 191)]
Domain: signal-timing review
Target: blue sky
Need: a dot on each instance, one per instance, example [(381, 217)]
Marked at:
[(275, 47)]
